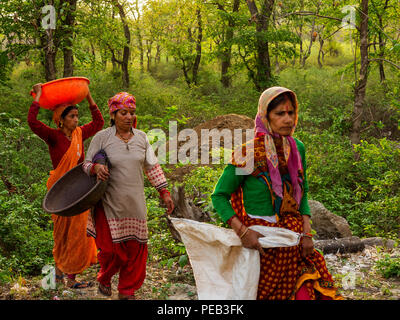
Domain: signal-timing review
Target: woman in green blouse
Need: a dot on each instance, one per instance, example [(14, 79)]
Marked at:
[(266, 184)]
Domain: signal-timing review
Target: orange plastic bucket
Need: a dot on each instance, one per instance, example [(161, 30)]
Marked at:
[(70, 90)]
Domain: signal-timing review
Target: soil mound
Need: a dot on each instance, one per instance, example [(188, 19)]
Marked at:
[(228, 121), (217, 129)]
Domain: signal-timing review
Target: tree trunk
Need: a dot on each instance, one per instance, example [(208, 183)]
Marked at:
[(126, 54), (225, 65), (320, 52), (381, 51), (139, 38), (185, 72), (68, 62), (157, 58), (301, 33), (67, 34), (263, 74), (381, 40), (341, 245), (49, 54), (360, 88), (149, 44), (141, 53), (227, 53), (199, 39), (308, 53)]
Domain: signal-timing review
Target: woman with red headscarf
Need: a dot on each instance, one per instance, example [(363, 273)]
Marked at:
[(73, 251), (266, 184), (119, 221)]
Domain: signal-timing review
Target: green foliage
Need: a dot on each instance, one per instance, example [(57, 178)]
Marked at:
[(377, 187), (389, 266), (25, 231), (162, 247), (5, 68), (329, 170)]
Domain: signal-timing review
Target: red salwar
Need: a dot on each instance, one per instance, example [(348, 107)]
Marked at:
[(128, 257)]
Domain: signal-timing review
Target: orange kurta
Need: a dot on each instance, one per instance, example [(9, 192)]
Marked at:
[(73, 250)]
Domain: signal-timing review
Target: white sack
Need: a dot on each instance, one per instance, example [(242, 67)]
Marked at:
[(222, 267)]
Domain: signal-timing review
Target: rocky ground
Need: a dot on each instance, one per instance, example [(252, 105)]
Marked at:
[(356, 275)]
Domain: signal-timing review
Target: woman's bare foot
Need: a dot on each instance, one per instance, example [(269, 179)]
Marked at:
[(73, 284), (105, 290), (59, 276), (126, 297)]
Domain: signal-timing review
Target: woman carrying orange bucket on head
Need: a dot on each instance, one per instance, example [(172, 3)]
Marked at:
[(73, 250)]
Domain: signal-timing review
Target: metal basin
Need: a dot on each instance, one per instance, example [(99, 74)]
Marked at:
[(74, 193)]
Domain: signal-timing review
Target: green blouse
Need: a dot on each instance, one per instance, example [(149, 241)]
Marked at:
[(256, 195)]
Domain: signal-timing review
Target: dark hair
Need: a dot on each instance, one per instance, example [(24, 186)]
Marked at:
[(67, 110), (279, 99), (112, 121)]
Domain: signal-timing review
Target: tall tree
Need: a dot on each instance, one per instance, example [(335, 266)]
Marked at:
[(361, 84), (261, 17), (185, 37), (137, 15), (124, 63), (224, 37), (49, 42), (68, 25), (380, 11)]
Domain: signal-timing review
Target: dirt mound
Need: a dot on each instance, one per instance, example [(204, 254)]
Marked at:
[(228, 121), (216, 130)]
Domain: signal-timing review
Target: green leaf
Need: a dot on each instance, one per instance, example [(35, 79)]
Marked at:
[(183, 260)]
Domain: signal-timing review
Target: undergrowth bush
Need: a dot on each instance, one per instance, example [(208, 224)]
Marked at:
[(25, 230)]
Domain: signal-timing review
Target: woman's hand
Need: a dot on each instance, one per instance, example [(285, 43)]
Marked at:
[(166, 198), (250, 240), (37, 89), (90, 99), (308, 247), (101, 172), (307, 242)]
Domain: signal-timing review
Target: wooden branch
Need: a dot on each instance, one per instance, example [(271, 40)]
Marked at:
[(341, 245), (327, 37), (310, 13), (385, 60), (113, 55), (220, 6), (253, 9)]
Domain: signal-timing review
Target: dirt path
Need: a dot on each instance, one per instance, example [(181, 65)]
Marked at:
[(356, 275)]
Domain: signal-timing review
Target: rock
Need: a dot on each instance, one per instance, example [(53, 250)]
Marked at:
[(342, 245), (326, 224), (377, 241)]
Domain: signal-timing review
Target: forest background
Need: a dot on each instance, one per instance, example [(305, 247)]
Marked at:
[(190, 61)]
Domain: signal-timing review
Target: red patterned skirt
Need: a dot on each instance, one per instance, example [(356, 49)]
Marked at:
[(283, 271)]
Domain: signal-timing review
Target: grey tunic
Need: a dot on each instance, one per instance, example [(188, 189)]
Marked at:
[(124, 199)]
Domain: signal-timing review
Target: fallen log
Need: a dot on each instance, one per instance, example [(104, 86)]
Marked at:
[(378, 241), (340, 245), (184, 208)]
